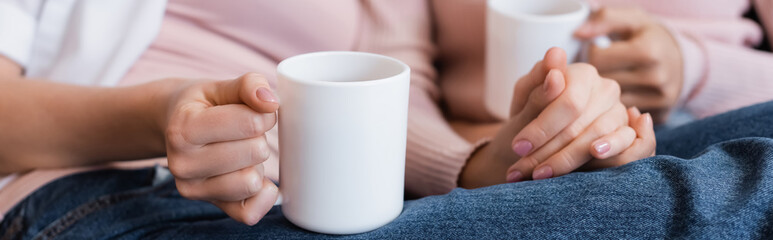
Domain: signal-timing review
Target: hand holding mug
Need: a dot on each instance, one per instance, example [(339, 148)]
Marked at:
[(646, 59), (342, 140), (216, 144)]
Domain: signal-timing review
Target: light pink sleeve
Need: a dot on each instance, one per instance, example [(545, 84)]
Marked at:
[(721, 76), (435, 154)]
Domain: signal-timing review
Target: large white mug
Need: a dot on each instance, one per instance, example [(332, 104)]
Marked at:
[(518, 33), (342, 136)]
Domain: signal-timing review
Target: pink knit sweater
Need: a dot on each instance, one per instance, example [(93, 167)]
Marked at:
[(223, 39)]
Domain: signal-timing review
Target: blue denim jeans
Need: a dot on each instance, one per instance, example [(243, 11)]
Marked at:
[(712, 179)]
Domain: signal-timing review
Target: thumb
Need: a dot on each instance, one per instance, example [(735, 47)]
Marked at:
[(608, 21), (251, 89), (555, 58), (540, 98)]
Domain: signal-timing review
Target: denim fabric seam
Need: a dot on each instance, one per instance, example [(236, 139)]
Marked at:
[(61, 224)]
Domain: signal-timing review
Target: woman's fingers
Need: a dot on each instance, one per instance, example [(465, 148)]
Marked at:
[(555, 58), (249, 211), (619, 56), (224, 123), (215, 144), (606, 94), (251, 89), (623, 138), (573, 155), (569, 157), (233, 186), (645, 143), (576, 153), (614, 143), (560, 113), (642, 147), (553, 84), (612, 20), (633, 116), (219, 158), (216, 112)]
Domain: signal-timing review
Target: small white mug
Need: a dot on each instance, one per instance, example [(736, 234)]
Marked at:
[(342, 137), (518, 33)]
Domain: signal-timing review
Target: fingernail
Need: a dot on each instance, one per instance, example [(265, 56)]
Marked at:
[(601, 147), (542, 173), (551, 75), (265, 95), (514, 176), (522, 147), (648, 118)]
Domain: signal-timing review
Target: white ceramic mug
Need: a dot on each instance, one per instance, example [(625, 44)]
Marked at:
[(518, 33), (342, 136)]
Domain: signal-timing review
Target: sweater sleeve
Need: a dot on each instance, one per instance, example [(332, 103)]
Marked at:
[(731, 76), (720, 74), (435, 153)]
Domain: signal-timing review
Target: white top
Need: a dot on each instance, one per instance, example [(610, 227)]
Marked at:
[(84, 42)]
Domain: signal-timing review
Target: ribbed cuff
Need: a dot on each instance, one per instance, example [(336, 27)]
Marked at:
[(736, 77), (433, 169), (435, 154), (694, 63)]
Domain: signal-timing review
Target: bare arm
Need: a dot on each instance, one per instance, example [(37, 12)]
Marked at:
[(46, 124), (212, 131)]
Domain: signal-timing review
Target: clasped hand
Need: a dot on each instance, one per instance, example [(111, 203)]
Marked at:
[(563, 118)]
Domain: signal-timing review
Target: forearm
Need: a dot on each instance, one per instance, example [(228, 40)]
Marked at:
[(47, 124)]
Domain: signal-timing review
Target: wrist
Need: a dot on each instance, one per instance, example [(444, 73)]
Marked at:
[(158, 101), (471, 169), (692, 61), (483, 168)]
